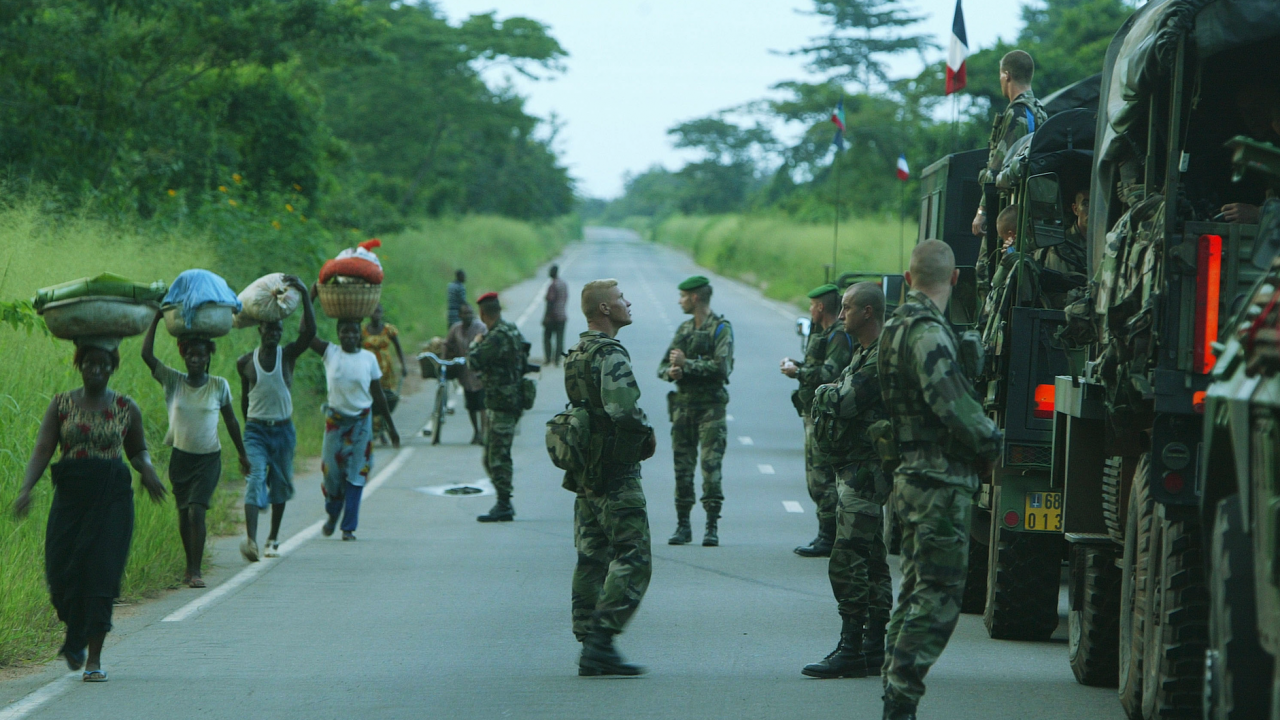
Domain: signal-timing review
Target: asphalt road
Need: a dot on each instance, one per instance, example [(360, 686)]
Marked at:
[(432, 615)]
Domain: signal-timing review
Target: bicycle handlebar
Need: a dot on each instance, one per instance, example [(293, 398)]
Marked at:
[(439, 361)]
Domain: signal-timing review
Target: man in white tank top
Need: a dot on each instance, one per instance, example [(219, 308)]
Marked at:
[(266, 376)]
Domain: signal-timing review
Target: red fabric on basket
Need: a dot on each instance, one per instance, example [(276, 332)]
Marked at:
[(352, 267)]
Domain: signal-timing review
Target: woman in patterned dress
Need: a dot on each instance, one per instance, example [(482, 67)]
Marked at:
[(380, 338), (91, 518)]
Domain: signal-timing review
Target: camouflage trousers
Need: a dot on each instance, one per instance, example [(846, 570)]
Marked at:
[(859, 567), (499, 433), (821, 481), (693, 427), (935, 554), (611, 532)]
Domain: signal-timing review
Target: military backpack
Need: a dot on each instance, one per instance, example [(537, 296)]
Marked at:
[(569, 432)]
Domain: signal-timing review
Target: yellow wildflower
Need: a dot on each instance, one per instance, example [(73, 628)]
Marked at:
[(288, 207), (237, 177), (172, 192), (222, 188), (303, 218), (232, 203), (297, 187), (275, 224)]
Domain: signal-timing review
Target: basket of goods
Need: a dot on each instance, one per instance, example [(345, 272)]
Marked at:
[(270, 298), (351, 284), (199, 303), (99, 310), (430, 368)]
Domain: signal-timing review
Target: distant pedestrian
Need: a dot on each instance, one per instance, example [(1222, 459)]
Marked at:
[(554, 319), (456, 295), (195, 400), (380, 338), (500, 356), (355, 395), (456, 345), (266, 401), (91, 520)]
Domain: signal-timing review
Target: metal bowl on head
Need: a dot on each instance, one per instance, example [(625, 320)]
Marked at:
[(210, 320), (98, 316)]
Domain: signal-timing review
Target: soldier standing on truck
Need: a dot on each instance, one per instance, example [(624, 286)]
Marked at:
[(698, 361), (859, 571), (942, 441), (610, 524), (827, 354), (1023, 115)]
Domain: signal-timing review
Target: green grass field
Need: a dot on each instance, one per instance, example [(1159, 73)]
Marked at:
[(37, 250), (782, 257)]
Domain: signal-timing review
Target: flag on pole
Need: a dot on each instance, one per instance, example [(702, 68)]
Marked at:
[(957, 51), (903, 171), (837, 117)]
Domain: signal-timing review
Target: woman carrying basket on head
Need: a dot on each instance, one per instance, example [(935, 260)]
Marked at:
[(91, 520)]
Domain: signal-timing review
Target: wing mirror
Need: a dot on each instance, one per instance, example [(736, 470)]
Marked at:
[(1044, 206)]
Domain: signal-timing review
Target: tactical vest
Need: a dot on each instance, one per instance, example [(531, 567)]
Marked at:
[(815, 354), (844, 440), (608, 445), (502, 381), (913, 421), (699, 344)]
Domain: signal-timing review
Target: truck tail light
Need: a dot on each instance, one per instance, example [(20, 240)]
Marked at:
[(1208, 279), (1173, 483), (1197, 401), (1044, 402)]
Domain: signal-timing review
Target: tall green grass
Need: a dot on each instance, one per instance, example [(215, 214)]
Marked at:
[(38, 249), (783, 257)]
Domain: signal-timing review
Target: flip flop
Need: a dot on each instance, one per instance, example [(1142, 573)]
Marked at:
[(95, 675), (196, 582)]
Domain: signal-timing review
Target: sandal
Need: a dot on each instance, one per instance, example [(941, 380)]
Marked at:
[(95, 675), (271, 549), (196, 582)]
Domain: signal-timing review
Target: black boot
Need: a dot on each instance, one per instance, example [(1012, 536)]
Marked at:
[(847, 660), (684, 533), (502, 511), (711, 538), (600, 657), (895, 709), (820, 547), (873, 644)]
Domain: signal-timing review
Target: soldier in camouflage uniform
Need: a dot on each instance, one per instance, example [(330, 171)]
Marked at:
[(1023, 115), (499, 356), (826, 355), (859, 569), (611, 527), (942, 441), (698, 361)]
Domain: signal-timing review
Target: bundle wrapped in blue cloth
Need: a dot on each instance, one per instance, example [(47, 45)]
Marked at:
[(195, 288)]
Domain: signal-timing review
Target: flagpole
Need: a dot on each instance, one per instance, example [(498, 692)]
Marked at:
[(835, 240), (902, 223)]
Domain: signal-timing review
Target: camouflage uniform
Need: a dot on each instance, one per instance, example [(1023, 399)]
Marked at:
[(941, 434), (697, 408), (611, 527), (859, 569), (826, 355), (500, 358), (1022, 116)]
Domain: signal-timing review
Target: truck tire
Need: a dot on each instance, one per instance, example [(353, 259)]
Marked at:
[(1237, 671), (1133, 591), (1113, 485), (1093, 622), (974, 601), (1177, 628), (1023, 577)]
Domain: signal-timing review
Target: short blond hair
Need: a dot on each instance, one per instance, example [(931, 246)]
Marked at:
[(932, 263), (594, 293), (1007, 220)]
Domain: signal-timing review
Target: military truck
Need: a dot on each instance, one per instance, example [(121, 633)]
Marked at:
[(1240, 462), (1181, 77)]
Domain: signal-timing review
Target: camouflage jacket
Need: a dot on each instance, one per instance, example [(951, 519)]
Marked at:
[(940, 427), (1022, 116), (854, 402), (825, 356), (500, 358), (598, 376), (709, 360)]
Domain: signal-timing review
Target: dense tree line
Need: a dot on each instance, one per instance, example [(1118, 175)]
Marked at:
[(747, 167), (363, 113)]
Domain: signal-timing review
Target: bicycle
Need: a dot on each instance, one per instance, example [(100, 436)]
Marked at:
[(433, 367)]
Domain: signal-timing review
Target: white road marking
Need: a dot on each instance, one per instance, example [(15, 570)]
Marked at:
[(728, 418), (765, 469), (243, 577), (539, 299), (746, 440), (792, 506), (36, 699)]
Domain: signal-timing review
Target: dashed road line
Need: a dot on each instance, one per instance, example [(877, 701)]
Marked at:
[(746, 440), (765, 469), (792, 506)]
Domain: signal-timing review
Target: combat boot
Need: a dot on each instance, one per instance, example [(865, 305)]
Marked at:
[(873, 644), (820, 547), (684, 532), (600, 657), (502, 511), (847, 660), (895, 709), (711, 538)]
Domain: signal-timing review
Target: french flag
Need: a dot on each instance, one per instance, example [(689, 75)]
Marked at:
[(957, 51), (903, 171)]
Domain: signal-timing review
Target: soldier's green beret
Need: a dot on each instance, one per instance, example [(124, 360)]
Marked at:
[(823, 290), (693, 283)]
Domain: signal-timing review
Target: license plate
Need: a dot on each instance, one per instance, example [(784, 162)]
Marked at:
[(1043, 512)]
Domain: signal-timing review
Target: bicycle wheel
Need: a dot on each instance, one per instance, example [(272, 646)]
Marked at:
[(442, 401)]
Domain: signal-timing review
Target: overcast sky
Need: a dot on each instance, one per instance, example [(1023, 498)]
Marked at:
[(637, 67)]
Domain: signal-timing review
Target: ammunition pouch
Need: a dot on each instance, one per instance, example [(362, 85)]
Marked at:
[(972, 355), (798, 403), (884, 439)]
